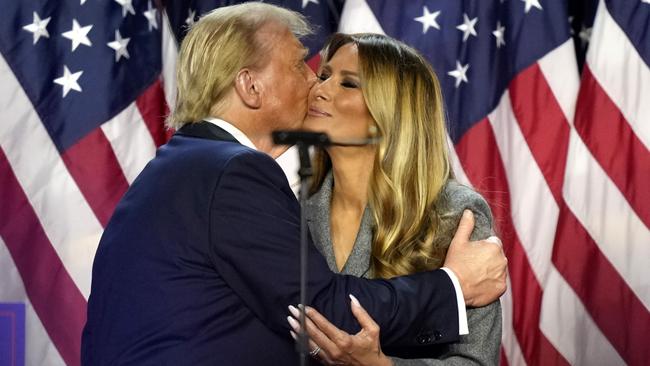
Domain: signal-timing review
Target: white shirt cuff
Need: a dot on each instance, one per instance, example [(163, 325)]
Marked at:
[(462, 313)]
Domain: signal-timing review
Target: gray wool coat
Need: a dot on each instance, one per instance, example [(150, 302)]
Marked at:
[(481, 345)]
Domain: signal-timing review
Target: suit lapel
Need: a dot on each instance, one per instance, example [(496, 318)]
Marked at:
[(206, 130), (359, 260), (318, 219)]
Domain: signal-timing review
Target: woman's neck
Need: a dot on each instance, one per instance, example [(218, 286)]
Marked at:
[(351, 169)]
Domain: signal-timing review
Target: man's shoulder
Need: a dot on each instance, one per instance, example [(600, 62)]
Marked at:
[(194, 150)]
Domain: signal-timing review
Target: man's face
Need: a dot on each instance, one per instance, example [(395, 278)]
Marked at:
[(286, 78)]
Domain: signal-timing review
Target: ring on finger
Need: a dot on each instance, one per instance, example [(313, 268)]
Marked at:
[(314, 352)]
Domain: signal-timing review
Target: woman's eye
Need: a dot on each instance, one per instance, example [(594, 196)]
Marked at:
[(349, 84), (323, 77)]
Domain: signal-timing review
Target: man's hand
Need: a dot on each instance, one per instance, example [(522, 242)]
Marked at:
[(480, 266)]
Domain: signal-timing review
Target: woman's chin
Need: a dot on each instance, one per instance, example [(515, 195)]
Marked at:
[(313, 126)]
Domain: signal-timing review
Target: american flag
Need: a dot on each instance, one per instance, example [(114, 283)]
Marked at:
[(560, 155)]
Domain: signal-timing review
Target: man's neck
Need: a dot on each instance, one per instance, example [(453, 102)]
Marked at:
[(260, 138), (265, 144)]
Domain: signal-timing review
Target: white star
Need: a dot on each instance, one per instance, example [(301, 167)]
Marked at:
[(645, 1), (498, 34), (305, 2), (83, 2), (119, 45), (69, 81), (38, 28), (428, 19), (78, 35), (127, 7), (584, 35), (467, 27), (191, 18), (460, 73), (530, 4), (150, 14)]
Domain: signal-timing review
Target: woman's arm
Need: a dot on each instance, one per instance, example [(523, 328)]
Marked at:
[(481, 345)]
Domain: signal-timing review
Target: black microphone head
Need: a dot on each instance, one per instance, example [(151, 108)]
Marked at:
[(294, 137)]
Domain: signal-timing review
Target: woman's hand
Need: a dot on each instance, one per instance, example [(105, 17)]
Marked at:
[(337, 347)]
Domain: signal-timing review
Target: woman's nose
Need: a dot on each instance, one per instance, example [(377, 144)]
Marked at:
[(321, 90)]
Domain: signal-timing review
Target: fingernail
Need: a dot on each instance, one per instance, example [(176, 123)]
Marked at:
[(467, 214), (294, 311), (293, 323), (293, 335), (301, 306), (354, 300), (494, 239)]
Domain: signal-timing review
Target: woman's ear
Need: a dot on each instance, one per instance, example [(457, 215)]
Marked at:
[(248, 88)]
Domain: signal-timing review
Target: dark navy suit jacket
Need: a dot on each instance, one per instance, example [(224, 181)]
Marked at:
[(201, 259)]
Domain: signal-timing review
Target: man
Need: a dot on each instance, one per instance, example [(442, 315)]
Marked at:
[(200, 259)]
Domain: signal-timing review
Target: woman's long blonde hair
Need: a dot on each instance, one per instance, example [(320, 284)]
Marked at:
[(411, 164)]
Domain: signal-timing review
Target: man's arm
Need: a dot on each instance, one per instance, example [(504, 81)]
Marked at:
[(254, 229)]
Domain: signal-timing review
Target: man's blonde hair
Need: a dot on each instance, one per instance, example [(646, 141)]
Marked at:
[(220, 44)]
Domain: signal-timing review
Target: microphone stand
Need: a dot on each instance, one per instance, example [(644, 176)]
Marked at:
[(305, 172), (302, 140)]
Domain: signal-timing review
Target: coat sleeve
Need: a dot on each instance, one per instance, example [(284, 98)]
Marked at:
[(481, 345), (254, 233)]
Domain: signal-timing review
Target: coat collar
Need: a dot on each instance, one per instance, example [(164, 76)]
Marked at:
[(206, 130), (318, 219)]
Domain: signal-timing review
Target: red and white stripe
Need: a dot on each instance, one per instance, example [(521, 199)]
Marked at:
[(55, 206), (606, 192)]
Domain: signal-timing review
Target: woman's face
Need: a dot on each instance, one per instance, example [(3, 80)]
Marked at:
[(336, 104)]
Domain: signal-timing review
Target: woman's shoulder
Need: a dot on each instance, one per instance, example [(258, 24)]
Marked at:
[(458, 197), (455, 198)]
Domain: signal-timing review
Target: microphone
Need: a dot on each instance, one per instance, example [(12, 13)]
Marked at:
[(309, 138), (293, 137)]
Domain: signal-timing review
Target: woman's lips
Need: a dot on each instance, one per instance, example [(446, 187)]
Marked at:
[(315, 112)]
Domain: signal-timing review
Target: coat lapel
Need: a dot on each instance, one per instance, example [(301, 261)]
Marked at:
[(358, 262), (318, 220)]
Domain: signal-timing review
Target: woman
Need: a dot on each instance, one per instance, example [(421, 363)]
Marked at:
[(391, 208)]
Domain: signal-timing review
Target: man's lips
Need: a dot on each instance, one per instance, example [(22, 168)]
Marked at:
[(315, 112)]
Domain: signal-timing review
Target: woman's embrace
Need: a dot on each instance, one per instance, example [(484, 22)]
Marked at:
[(390, 209)]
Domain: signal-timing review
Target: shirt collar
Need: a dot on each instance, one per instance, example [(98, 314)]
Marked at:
[(234, 131)]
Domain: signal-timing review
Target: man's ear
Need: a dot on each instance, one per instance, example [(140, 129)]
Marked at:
[(248, 88)]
